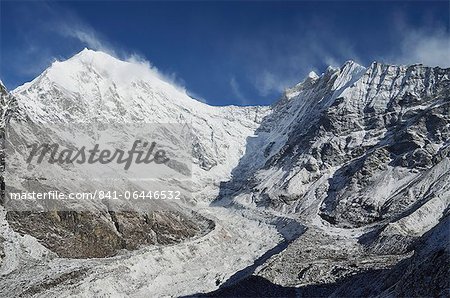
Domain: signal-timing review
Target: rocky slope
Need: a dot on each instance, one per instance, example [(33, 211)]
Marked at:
[(424, 274), (361, 156)]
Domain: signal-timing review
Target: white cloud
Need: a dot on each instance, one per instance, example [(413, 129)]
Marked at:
[(431, 48), (236, 89), (146, 65), (267, 82), (65, 27), (279, 61), (85, 35), (428, 44)]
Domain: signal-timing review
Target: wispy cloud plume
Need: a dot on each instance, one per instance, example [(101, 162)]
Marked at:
[(236, 89), (92, 39), (170, 78), (431, 48), (279, 61), (428, 44), (267, 82), (57, 30), (86, 36)]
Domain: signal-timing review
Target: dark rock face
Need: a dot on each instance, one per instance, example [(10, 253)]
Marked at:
[(73, 234), (425, 274), (69, 234), (253, 286)]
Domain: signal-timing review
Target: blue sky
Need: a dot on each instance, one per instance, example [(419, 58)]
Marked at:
[(225, 52)]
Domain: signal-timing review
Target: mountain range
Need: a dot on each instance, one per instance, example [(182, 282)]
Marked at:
[(341, 188)]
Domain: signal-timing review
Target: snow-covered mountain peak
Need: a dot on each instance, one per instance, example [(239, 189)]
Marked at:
[(350, 63), (94, 87), (345, 124), (112, 67), (333, 79), (86, 53), (313, 75), (349, 73), (96, 82), (91, 54), (98, 68)]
